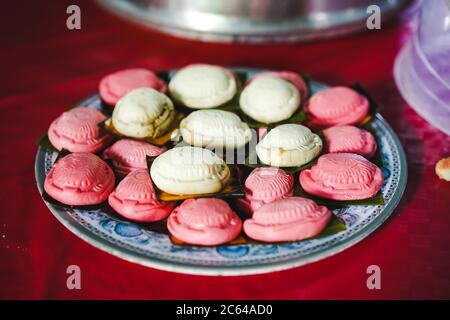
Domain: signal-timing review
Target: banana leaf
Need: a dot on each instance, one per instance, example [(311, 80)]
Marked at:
[(44, 142), (376, 200)]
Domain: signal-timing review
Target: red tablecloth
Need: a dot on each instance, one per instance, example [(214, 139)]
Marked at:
[(45, 68)]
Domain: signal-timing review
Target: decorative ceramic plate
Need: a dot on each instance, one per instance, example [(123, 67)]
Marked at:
[(135, 243)]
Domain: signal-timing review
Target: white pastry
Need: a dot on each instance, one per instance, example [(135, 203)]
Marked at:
[(143, 113), (215, 129), (288, 145), (189, 170), (269, 99), (203, 86)]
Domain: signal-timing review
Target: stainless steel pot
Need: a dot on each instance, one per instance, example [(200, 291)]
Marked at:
[(253, 20)]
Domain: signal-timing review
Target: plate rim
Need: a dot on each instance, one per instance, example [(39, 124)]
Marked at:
[(214, 270)]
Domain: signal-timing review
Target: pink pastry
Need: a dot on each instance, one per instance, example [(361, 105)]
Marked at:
[(261, 132), (77, 130), (289, 219), (265, 185), (350, 139), (204, 221), (290, 76), (135, 199), (128, 155), (337, 106), (115, 85), (342, 176), (80, 179)]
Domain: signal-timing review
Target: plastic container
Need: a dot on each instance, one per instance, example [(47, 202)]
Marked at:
[(422, 68)]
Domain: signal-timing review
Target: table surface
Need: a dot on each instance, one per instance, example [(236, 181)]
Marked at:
[(46, 68)]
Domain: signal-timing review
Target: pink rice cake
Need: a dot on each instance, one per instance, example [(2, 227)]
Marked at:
[(80, 179), (204, 221), (128, 155), (290, 76), (342, 176), (349, 139), (261, 132), (336, 106), (135, 199), (115, 85), (77, 130), (265, 185), (289, 219)]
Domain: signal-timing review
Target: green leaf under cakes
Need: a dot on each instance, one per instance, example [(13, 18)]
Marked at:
[(335, 225), (292, 170), (44, 142), (377, 200), (298, 117)]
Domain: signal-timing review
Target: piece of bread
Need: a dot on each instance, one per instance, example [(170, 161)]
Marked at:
[(443, 169)]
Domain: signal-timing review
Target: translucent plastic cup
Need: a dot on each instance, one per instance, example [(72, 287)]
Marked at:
[(422, 68)]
